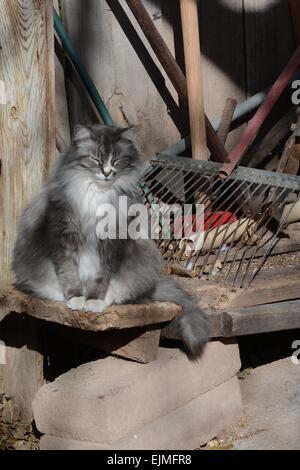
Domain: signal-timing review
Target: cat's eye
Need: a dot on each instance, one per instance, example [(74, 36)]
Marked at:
[(120, 161), (95, 159)]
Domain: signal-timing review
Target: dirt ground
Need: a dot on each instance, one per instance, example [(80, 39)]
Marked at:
[(15, 435), (271, 421)]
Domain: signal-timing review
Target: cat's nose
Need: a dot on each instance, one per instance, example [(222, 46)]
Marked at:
[(106, 171)]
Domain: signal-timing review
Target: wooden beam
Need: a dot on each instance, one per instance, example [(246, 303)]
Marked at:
[(262, 319), (276, 285), (27, 148), (137, 344), (114, 317), (272, 285), (27, 133)]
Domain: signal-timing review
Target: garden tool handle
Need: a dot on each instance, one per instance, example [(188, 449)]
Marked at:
[(260, 116)]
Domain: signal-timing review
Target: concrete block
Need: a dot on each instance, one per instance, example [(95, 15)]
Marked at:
[(108, 399), (185, 428)]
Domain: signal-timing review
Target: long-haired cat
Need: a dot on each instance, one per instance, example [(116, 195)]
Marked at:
[(59, 256)]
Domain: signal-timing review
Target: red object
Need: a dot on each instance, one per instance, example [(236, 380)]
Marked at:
[(188, 225), (215, 219), (260, 116)]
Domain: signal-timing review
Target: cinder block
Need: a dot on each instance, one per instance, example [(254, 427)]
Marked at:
[(185, 428), (108, 399)]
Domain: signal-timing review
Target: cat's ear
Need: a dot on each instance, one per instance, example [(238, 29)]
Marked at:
[(81, 133), (128, 132)]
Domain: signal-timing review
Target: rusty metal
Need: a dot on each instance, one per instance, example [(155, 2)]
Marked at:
[(261, 114)]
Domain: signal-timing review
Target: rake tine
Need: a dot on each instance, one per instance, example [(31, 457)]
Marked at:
[(280, 225), (234, 213), (257, 187)]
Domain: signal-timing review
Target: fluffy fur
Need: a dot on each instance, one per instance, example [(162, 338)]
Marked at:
[(59, 256)]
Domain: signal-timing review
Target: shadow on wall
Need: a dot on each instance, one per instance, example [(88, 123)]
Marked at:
[(249, 41), (262, 30)]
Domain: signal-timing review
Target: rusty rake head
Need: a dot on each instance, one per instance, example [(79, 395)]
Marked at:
[(241, 220)]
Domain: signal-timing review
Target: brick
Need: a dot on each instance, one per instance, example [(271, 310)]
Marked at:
[(105, 400), (185, 428)]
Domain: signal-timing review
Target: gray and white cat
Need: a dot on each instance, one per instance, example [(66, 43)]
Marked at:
[(59, 256)]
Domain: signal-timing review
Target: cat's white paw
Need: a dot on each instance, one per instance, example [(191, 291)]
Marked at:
[(95, 305), (76, 303)]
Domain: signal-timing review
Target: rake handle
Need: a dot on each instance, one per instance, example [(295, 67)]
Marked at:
[(260, 116), (226, 119), (193, 66), (173, 71)]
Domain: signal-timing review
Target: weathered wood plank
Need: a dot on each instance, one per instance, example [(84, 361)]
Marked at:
[(275, 285), (138, 344), (114, 317), (268, 28), (263, 319), (22, 375), (27, 131), (143, 349), (284, 245), (255, 319), (272, 285), (119, 75), (27, 148), (223, 66)]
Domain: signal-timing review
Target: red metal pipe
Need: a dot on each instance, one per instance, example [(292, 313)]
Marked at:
[(260, 116)]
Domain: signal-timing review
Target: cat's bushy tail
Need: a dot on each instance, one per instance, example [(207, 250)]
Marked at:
[(191, 325)]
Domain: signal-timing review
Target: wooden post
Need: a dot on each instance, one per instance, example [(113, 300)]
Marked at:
[(27, 147), (193, 65)]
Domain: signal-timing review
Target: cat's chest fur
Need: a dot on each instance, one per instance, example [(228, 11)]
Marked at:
[(87, 198)]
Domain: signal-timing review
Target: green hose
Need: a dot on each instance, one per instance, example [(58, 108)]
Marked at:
[(82, 71)]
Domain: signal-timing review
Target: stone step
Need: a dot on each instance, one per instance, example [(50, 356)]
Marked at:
[(185, 428), (106, 400)]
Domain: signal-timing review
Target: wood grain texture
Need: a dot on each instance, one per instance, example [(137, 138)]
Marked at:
[(264, 318), (27, 121), (272, 285), (222, 45), (22, 375), (138, 344), (121, 78), (27, 148), (295, 12), (276, 285), (114, 317), (193, 67), (269, 41)]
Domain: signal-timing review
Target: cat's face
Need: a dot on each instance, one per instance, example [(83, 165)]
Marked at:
[(105, 152)]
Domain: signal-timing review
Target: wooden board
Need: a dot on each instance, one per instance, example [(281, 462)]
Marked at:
[(262, 319), (276, 285), (138, 344), (114, 317), (118, 72), (269, 41), (22, 375), (222, 46), (27, 131), (27, 148)]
